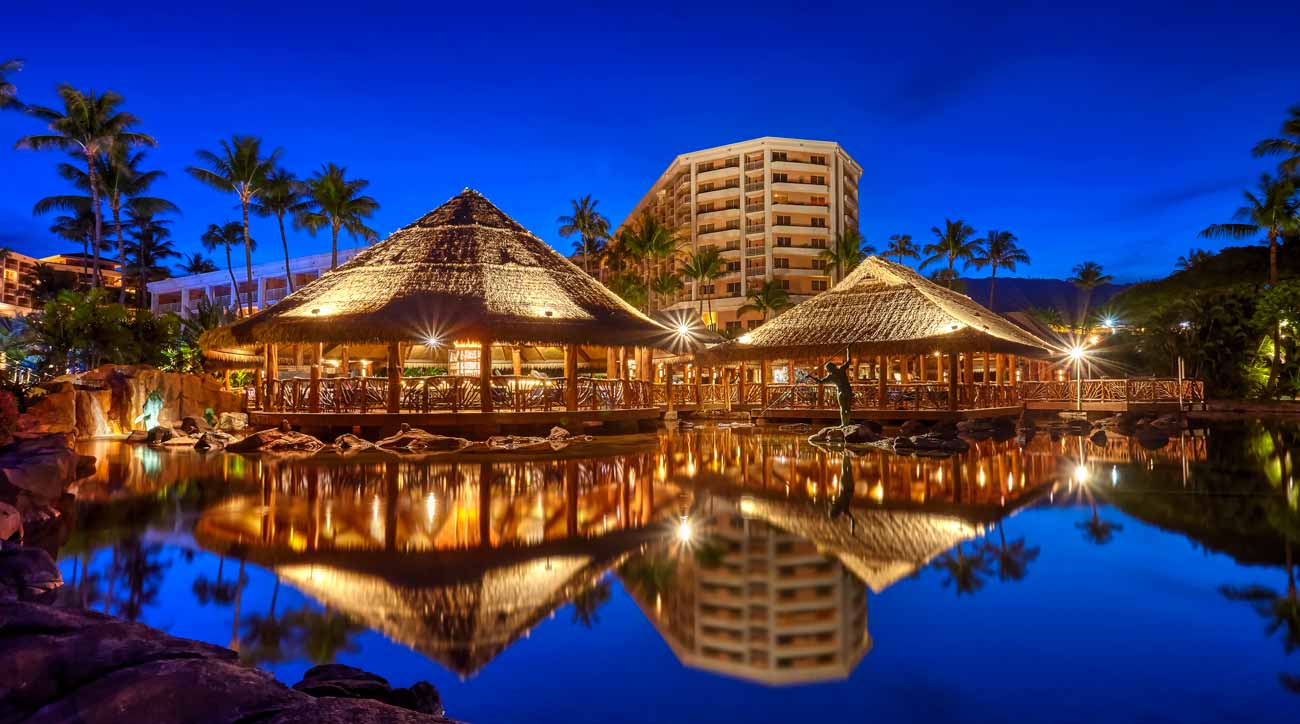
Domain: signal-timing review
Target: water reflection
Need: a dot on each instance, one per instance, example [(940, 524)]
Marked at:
[(753, 553)]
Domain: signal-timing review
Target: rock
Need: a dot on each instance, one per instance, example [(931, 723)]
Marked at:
[(41, 467), (1151, 438), (1026, 436), (931, 442), (181, 441), (913, 427), (945, 428), (1169, 423), (63, 665), (194, 426), (847, 435), (159, 435), (410, 439), (347, 682), (232, 422), (795, 427), (276, 440), (349, 443), (137, 436), (1098, 438), (11, 523), (8, 416), (214, 440), (29, 574), (52, 412)]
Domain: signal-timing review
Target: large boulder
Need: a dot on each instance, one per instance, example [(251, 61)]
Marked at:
[(276, 440), (349, 443), (11, 523), (410, 439), (41, 468), (27, 574), (51, 410), (846, 435), (348, 682), (232, 422), (913, 427), (214, 440)]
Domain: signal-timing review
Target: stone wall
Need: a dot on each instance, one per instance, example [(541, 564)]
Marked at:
[(109, 400)]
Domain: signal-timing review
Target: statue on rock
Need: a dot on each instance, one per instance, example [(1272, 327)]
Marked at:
[(150, 414), (839, 376)]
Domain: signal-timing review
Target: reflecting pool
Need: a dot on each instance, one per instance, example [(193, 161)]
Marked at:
[(731, 572)]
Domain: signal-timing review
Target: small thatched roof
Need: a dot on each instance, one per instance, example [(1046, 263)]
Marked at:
[(223, 352), (881, 308), (464, 271)]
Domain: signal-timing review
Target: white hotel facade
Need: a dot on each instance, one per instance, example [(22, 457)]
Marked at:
[(181, 295)]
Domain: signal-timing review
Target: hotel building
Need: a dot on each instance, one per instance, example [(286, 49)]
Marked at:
[(18, 282), (774, 610), (771, 205), (181, 295)]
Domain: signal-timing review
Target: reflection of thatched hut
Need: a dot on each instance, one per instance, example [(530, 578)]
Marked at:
[(467, 275), (906, 322)]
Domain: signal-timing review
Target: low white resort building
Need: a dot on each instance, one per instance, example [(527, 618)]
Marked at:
[(181, 295)]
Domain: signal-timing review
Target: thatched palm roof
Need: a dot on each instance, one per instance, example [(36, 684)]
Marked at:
[(464, 271), (881, 308), (223, 352)]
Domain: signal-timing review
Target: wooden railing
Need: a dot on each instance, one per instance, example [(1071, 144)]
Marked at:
[(451, 393), (866, 396), (1138, 389)]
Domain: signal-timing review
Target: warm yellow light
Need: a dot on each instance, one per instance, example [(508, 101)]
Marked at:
[(1081, 473), (746, 505), (1076, 352), (683, 329), (746, 338), (685, 531)]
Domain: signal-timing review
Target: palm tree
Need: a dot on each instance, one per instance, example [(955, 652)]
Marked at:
[(648, 242), (240, 168), (629, 287), (901, 247), (845, 253), (702, 267), (1195, 259), (78, 227), (196, 263), (89, 125), (588, 224), (1012, 560), (1088, 276), (149, 245), (1288, 145), (282, 196), (1272, 210), (998, 250), (586, 603), (223, 237), (9, 92), (769, 298), (666, 285), (1096, 530), (965, 571), (951, 243), (335, 201)]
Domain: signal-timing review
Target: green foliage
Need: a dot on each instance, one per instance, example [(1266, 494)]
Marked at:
[(79, 331)]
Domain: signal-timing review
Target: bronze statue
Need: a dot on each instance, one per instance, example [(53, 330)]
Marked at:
[(839, 376)]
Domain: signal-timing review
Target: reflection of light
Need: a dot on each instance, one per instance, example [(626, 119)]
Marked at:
[(431, 507), (1114, 475), (980, 476), (685, 531), (1081, 473), (877, 492), (745, 338), (747, 505)]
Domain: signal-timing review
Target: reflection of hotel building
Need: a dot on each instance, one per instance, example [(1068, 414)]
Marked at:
[(18, 283), (774, 611), (181, 295), (771, 205)]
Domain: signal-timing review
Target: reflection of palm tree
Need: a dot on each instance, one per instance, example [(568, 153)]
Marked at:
[(1280, 610), (265, 636), (1096, 530), (138, 566), (652, 574), (219, 592), (323, 635), (586, 603), (1012, 560), (965, 571)]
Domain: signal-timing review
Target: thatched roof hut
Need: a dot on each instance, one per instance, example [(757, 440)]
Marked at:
[(223, 352), (464, 271), (881, 308)]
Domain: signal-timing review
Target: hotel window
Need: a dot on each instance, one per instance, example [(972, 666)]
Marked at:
[(779, 156), (706, 289), (818, 263), (784, 284), (733, 266), (818, 201), (783, 241), (819, 223), (733, 324), (819, 160), (819, 285), (781, 263), (820, 180), (783, 221), (733, 288), (780, 178), (753, 323)]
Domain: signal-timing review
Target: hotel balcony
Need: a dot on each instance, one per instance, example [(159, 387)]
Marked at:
[(752, 186), (800, 229), (714, 214), (801, 250), (725, 192), (801, 187), (718, 234), (800, 207), (718, 172), (801, 166)]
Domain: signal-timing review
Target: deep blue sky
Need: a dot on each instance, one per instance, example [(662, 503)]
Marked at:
[(1112, 134)]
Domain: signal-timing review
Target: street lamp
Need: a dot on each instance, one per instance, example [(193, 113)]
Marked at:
[(1077, 353)]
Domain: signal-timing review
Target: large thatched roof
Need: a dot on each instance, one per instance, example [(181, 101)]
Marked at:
[(464, 271), (881, 308)]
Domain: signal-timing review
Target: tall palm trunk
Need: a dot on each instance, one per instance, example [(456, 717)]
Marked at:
[(248, 254), (334, 244), (116, 206), (284, 241), (952, 272), (139, 284), (1276, 362), (230, 267), (993, 280), (99, 213)]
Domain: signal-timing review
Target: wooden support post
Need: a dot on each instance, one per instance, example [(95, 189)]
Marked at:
[(920, 368), (762, 382), (345, 364), (570, 377), (698, 370), (259, 390), (611, 363), (904, 365), (952, 381), (740, 384), (485, 376), (882, 367), (272, 376), (313, 390), (668, 385), (517, 361), (394, 377), (297, 355)]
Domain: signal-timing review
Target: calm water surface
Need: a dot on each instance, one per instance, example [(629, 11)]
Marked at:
[(739, 575)]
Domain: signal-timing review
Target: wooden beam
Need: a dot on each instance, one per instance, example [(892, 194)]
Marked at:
[(668, 384), (517, 360), (570, 377), (485, 376), (762, 382), (313, 389), (611, 363), (394, 363), (882, 363), (272, 375), (952, 381)]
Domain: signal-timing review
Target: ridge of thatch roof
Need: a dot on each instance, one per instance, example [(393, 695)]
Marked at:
[(881, 308), (222, 351), (464, 271)]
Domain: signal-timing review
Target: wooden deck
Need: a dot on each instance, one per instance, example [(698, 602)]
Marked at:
[(1138, 394), (470, 422)]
